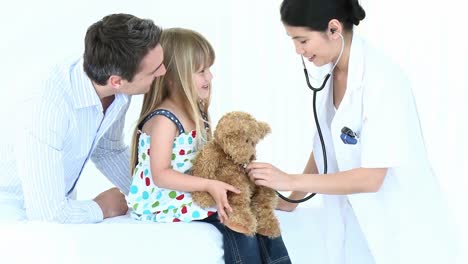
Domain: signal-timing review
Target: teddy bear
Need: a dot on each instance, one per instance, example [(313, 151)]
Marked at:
[(224, 158)]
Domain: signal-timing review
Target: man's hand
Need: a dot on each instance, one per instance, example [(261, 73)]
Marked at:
[(112, 203)]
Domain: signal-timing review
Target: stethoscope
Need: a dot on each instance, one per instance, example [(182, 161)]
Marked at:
[(315, 90)]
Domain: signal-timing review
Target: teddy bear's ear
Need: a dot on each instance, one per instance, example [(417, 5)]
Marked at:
[(220, 133), (264, 129)]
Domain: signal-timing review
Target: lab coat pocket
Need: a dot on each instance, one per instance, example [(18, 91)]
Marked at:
[(348, 146), (346, 130)]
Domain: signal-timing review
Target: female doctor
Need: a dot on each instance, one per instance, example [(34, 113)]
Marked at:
[(382, 202)]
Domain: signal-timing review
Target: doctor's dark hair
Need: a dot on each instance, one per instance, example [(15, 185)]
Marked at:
[(315, 14), (116, 45)]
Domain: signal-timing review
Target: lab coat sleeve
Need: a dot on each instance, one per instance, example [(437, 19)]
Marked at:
[(387, 100)]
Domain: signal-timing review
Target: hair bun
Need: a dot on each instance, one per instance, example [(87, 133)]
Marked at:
[(357, 12)]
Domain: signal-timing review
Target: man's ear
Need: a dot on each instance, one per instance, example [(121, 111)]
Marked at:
[(115, 81)]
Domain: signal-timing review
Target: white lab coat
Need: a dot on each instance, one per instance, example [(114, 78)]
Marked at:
[(406, 220)]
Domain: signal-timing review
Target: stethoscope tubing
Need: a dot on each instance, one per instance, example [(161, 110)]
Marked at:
[(317, 124)]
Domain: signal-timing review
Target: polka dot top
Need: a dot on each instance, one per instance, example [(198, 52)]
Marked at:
[(151, 203)]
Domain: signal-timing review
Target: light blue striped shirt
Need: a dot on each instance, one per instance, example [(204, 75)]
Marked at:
[(63, 130)]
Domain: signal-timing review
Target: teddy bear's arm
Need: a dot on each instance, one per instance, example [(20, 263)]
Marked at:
[(206, 163), (205, 166)]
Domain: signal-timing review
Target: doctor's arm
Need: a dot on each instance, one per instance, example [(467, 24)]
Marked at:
[(311, 168), (359, 180)]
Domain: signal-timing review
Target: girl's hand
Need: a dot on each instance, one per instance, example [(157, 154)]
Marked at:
[(218, 190), (268, 175)]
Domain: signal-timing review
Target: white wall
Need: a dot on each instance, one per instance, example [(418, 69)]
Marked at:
[(257, 70)]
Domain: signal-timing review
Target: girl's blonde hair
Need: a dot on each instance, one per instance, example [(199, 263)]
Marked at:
[(185, 53)]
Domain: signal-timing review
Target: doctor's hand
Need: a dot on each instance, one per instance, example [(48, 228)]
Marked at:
[(265, 174)]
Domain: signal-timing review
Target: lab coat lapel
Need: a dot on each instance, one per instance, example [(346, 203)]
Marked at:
[(355, 75), (355, 67), (349, 113)]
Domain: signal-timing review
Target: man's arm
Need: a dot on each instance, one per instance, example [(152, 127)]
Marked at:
[(112, 156), (39, 155)]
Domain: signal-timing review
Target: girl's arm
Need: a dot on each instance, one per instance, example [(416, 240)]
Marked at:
[(162, 132), (360, 180)]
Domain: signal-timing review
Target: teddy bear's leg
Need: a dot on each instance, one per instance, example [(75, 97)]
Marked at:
[(263, 205), (241, 219)]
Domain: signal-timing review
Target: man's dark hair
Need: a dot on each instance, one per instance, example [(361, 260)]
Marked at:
[(116, 45)]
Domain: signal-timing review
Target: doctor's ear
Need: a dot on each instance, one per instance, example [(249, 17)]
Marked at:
[(334, 29)]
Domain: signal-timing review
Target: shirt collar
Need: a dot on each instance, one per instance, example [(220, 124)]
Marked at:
[(355, 73), (83, 90)]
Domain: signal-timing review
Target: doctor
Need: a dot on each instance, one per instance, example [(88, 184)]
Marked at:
[(383, 204)]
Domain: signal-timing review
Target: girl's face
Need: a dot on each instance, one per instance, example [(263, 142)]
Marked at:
[(202, 79), (315, 46)]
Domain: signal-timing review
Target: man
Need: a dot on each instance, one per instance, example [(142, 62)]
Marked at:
[(79, 115)]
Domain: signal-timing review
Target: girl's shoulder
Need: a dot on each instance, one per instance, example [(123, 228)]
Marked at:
[(164, 122), (187, 134), (158, 123), (160, 115)]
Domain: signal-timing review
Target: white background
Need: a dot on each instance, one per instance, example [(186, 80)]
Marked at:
[(257, 70)]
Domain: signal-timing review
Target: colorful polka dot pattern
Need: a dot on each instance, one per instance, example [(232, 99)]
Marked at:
[(151, 203)]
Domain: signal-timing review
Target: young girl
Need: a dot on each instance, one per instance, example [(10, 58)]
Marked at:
[(173, 125)]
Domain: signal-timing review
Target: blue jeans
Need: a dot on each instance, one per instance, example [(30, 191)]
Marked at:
[(242, 249)]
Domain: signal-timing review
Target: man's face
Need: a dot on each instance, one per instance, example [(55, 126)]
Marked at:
[(150, 67)]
